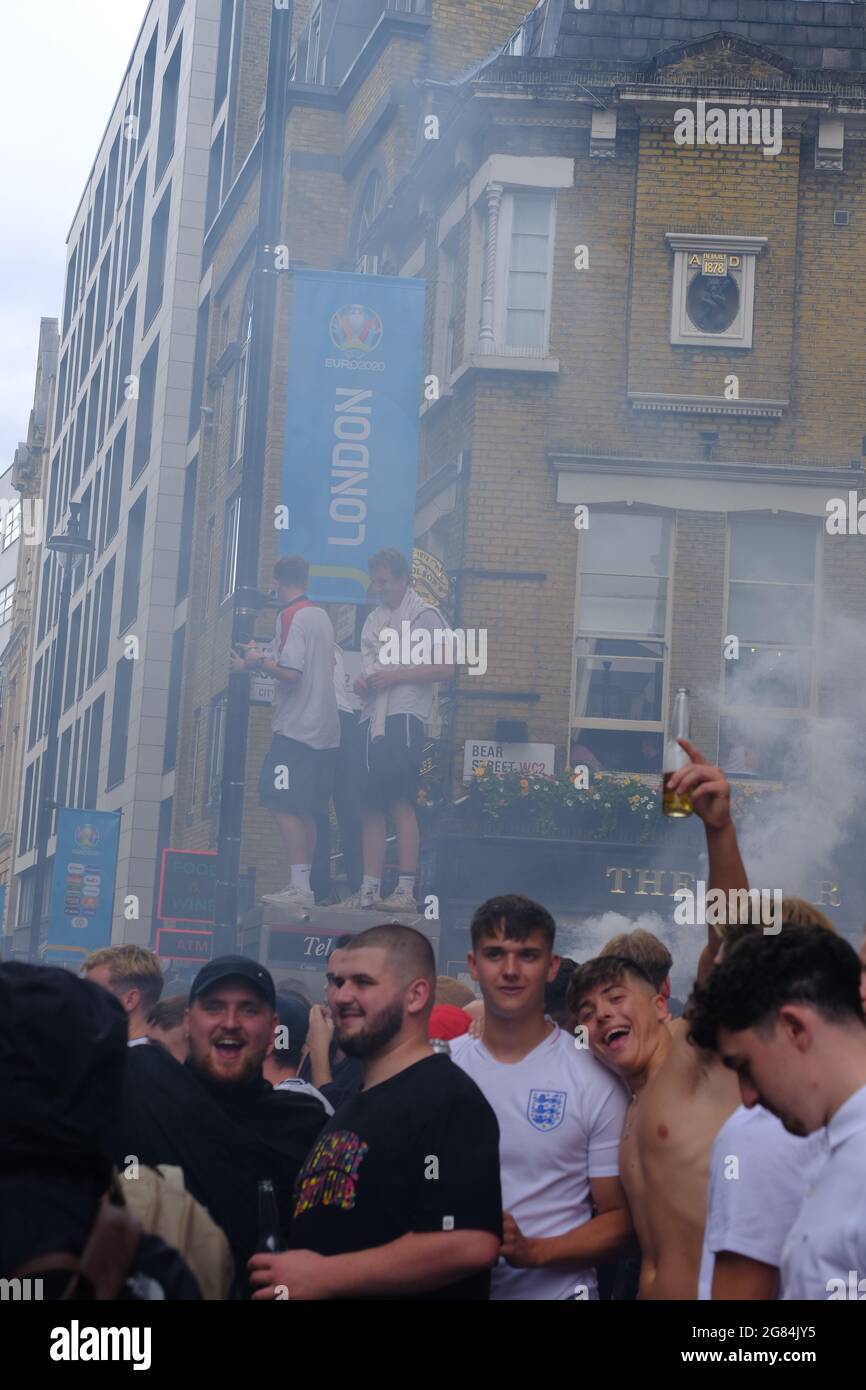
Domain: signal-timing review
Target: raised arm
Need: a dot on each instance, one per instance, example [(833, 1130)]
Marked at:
[(710, 791)]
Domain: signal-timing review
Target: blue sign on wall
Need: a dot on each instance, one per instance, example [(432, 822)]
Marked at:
[(351, 440), (82, 885)]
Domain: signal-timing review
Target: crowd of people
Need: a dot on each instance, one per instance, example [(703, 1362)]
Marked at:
[(557, 1135)]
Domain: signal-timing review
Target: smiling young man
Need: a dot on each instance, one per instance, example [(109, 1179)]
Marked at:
[(400, 1196), (785, 1015), (681, 1096), (560, 1114), (216, 1117)]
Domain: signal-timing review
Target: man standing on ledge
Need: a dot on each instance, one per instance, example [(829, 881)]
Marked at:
[(398, 700), (295, 781)]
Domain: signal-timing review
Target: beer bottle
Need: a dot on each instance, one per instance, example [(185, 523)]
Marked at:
[(676, 803), (269, 1240)]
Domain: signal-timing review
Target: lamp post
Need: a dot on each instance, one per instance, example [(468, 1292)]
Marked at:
[(248, 601), (70, 548)]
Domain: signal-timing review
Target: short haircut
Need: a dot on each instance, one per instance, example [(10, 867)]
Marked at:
[(409, 953), (450, 991), (601, 971), (796, 912), (513, 916), (168, 1013), (389, 559), (292, 570), (129, 967), (645, 949), (556, 991), (760, 974)]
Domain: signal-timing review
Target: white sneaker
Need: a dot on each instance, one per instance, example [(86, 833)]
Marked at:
[(357, 902), (399, 901), (290, 897)]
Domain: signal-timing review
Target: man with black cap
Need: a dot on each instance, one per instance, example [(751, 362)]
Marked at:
[(62, 1056), (216, 1116)]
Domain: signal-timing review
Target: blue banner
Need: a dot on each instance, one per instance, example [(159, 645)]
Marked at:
[(351, 441), (82, 885)]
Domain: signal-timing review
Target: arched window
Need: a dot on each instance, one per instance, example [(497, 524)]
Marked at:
[(242, 378), (369, 205)]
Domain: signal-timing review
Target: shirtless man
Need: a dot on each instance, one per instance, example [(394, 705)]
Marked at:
[(681, 1097)]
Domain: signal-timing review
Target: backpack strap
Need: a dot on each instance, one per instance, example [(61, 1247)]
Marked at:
[(105, 1260)]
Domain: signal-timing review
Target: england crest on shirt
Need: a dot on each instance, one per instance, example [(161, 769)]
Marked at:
[(546, 1109)]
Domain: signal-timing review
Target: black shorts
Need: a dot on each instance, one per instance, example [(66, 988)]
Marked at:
[(390, 766), (310, 777)]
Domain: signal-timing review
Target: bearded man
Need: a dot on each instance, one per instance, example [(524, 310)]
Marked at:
[(400, 1196)]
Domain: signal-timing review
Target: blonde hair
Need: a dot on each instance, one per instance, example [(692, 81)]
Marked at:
[(129, 967), (796, 912), (645, 949), (449, 991)]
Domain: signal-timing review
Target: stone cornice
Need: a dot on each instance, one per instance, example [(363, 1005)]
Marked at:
[(804, 475)]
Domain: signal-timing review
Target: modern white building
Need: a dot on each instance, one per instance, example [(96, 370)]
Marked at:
[(126, 409), (10, 536)]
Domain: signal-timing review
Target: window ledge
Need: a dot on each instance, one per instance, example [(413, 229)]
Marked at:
[(491, 361), (706, 405)]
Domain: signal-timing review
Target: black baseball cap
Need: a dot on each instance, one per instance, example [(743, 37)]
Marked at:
[(237, 968)]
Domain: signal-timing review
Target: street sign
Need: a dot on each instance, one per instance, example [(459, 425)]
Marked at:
[(529, 759), (187, 882), (181, 943)]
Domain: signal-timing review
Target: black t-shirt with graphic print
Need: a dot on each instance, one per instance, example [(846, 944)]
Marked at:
[(417, 1153)]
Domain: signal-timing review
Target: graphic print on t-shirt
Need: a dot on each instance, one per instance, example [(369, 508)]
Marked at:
[(546, 1109), (329, 1176)]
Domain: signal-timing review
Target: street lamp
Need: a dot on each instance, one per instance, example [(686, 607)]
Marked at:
[(70, 547)]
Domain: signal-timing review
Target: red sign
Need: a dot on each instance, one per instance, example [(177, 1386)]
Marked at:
[(181, 943)]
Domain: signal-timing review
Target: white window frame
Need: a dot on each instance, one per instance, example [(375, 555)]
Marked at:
[(313, 42), (7, 599), (503, 266), (12, 525), (242, 385), (215, 748), (786, 712), (655, 726), (231, 537)]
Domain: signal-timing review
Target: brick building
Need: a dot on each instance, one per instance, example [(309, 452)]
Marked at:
[(647, 343)]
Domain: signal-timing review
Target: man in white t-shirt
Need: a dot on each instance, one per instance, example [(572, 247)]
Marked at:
[(560, 1114), (297, 773), (759, 1174), (398, 699), (784, 1012)]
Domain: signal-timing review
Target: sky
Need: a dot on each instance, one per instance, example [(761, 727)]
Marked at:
[(61, 64)]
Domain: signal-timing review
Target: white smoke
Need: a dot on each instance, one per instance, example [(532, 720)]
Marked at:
[(582, 941), (812, 816)]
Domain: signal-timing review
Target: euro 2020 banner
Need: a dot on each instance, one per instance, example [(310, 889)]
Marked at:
[(351, 440), (82, 885)]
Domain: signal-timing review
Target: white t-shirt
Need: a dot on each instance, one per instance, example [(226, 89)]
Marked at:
[(294, 1083), (307, 710), (825, 1254), (753, 1203), (410, 697), (560, 1116)]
